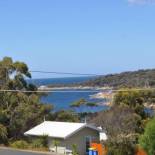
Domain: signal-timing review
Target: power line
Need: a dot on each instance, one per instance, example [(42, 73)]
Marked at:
[(63, 73), (62, 91), (70, 91), (50, 91), (57, 72)]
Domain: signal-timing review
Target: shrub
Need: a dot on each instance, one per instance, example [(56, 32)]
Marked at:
[(20, 144), (56, 143), (147, 140), (41, 142), (44, 140), (36, 143), (3, 134), (74, 149)]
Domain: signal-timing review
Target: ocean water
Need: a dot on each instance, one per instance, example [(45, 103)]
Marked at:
[(65, 80), (63, 100)]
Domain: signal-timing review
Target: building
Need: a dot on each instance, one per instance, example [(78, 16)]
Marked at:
[(67, 134)]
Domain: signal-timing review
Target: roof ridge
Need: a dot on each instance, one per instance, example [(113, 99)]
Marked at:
[(64, 122)]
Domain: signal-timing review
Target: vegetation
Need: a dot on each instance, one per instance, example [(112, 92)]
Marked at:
[(147, 140), (20, 144), (122, 127), (91, 105), (126, 120), (19, 111), (78, 104), (40, 143), (3, 134), (131, 79), (140, 78), (56, 143), (134, 99), (74, 149), (64, 116)]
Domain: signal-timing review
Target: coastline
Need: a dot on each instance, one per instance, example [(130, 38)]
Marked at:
[(44, 87), (102, 93)]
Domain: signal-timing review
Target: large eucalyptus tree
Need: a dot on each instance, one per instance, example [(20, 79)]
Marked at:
[(19, 111)]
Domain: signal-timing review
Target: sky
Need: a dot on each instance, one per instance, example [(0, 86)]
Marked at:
[(83, 36)]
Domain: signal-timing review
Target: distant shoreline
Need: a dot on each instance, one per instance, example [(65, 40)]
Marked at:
[(99, 92), (44, 87)]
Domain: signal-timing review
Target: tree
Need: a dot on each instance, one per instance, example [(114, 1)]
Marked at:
[(91, 105), (65, 116), (122, 126), (135, 79), (19, 111), (77, 104), (132, 98), (147, 140)]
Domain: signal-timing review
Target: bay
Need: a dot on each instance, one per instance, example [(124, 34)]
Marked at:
[(63, 100)]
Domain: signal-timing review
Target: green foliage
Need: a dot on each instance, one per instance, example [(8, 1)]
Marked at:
[(91, 104), (147, 140), (20, 144), (41, 142), (132, 98), (44, 140), (140, 78), (56, 143), (21, 68), (74, 149), (64, 116), (123, 147), (3, 134), (78, 103), (34, 143), (125, 121), (19, 111)]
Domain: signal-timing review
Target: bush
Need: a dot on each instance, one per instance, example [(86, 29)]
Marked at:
[(121, 146), (3, 134), (74, 149), (44, 140), (37, 143), (147, 140), (41, 142), (20, 144)]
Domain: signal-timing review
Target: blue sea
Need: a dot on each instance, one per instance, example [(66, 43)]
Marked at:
[(63, 100)]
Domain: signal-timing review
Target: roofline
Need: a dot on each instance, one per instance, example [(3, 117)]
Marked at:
[(84, 126), (43, 135)]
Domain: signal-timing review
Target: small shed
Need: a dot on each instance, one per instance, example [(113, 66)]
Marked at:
[(67, 134)]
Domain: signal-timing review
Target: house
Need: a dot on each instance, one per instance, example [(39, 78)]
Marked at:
[(67, 134)]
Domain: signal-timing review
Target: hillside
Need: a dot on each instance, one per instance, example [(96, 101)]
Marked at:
[(140, 78)]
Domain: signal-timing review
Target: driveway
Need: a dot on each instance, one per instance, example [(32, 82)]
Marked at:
[(8, 151)]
